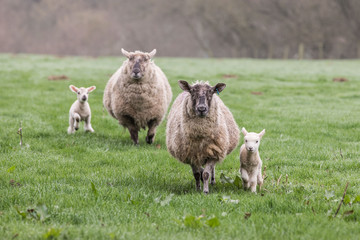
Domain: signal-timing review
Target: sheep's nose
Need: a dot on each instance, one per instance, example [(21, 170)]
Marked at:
[(202, 108), (250, 148), (84, 98), (136, 70)]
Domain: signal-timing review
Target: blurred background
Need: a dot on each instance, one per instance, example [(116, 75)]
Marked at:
[(283, 29)]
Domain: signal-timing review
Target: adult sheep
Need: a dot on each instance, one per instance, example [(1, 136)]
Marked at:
[(201, 130), (138, 94)]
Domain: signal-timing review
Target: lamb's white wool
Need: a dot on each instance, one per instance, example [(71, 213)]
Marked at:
[(80, 109), (201, 130), (250, 161), (138, 94)]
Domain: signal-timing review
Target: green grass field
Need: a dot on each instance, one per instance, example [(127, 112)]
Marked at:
[(100, 186)]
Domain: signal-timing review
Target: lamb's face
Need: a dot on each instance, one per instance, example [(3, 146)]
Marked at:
[(138, 63), (201, 95), (82, 93), (252, 140)]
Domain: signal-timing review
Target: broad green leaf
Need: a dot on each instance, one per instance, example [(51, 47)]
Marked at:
[(93, 188), (11, 169), (237, 181), (213, 222), (21, 213), (52, 233), (346, 200), (192, 221), (357, 199)]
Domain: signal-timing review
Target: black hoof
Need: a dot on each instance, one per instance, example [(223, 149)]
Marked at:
[(149, 139), (76, 129)]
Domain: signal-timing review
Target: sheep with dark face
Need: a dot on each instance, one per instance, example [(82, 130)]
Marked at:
[(201, 130), (138, 94)]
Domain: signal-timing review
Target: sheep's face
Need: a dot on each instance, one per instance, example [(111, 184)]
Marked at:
[(252, 140), (201, 95), (138, 62), (82, 93)]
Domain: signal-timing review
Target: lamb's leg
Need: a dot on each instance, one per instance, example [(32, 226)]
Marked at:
[(260, 179), (245, 178), (197, 175), (87, 125), (77, 120), (71, 125), (253, 180), (213, 175), (152, 124), (206, 175), (129, 123)]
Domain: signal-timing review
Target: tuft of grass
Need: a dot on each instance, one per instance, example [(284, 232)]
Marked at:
[(100, 186)]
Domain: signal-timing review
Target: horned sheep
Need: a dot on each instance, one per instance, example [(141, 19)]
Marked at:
[(250, 161), (138, 94), (80, 109), (201, 130)]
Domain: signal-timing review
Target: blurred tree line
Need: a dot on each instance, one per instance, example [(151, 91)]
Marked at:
[(312, 29)]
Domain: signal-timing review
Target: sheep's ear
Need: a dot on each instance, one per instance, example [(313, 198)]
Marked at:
[(73, 88), (262, 133), (90, 89), (243, 130), (126, 53), (152, 53), (219, 87), (184, 85)]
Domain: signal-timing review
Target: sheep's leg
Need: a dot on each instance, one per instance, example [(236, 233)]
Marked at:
[(213, 175), (152, 124), (77, 120), (253, 181), (71, 125), (129, 123), (206, 175), (197, 175), (260, 179), (245, 178), (87, 125)]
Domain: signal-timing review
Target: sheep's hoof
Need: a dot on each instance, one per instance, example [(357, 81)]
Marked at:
[(206, 192), (213, 182), (150, 139), (76, 129)]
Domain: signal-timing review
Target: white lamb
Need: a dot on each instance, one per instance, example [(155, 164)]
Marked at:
[(80, 109), (250, 162)]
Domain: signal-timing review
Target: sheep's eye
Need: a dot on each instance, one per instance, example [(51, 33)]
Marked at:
[(257, 141), (131, 58), (245, 140), (78, 92)]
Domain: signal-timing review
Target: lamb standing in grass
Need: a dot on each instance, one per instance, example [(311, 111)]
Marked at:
[(138, 94), (250, 162), (201, 130), (80, 109)]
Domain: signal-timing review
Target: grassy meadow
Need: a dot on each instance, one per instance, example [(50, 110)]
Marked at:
[(100, 186)]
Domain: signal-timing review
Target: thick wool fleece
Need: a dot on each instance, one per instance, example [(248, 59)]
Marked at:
[(194, 140), (143, 100)]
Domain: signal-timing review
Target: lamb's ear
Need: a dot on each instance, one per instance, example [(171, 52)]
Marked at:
[(73, 88), (184, 85), (152, 53), (219, 87), (262, 133), (126, 53), (243, 130), (90, 89)]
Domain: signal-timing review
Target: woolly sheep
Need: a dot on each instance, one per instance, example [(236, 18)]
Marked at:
[(250, 161), (80, 109), (201, 130), (138, 94)]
